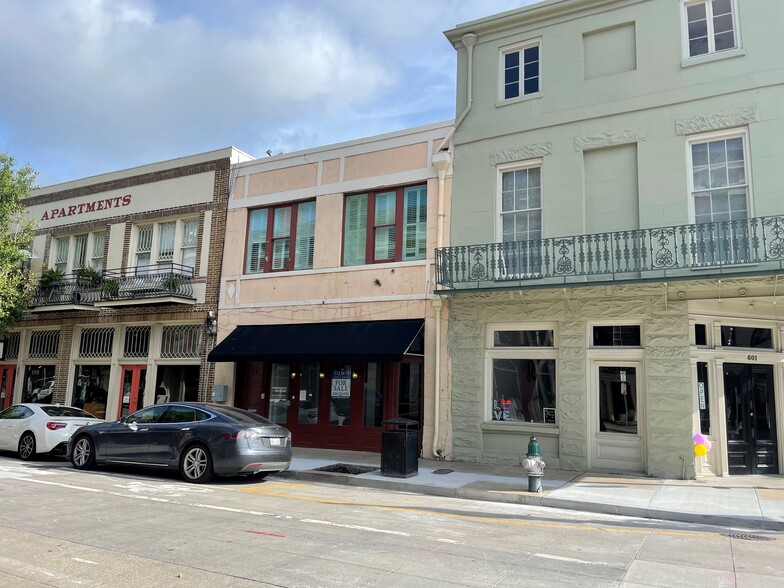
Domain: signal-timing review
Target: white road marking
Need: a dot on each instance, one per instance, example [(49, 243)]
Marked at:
[(571, 559), (62, 485), (173, 490), (87, 561), (357, 527)]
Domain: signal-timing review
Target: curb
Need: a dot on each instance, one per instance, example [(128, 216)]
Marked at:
[(526, 498)]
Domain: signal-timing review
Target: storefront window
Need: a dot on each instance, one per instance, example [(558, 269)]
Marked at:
[(91, 383), (308, 393), (38, 384), (279, 393), (524, 390), (340, 396), (373, 410), (618, 399), (409, 403), (177, 383), (703, 400), (749, 337)]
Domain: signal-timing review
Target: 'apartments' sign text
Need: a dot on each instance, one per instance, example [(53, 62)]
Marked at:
[(103, 204)]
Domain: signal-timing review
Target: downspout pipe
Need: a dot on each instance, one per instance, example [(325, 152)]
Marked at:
[(442, 161)]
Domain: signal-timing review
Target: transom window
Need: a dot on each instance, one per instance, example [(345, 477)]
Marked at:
[(710, 26), (719, 179), (520, 70), (72, 252), (521, 204), (167, 242), (385, 225), (521, 373), (281, 238)]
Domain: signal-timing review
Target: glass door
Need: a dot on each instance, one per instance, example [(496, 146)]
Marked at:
[(280, 374), (751, 419), (132, 384), (7, 380)]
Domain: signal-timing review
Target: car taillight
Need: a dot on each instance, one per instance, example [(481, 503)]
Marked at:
[(249, 434), (54, 425)]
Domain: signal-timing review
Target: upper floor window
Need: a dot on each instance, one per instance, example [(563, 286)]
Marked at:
[(521, 203), (76, 251), (719, 178), (279, 233), (385, 225), (520, 70), (167, 242), (710, 26)]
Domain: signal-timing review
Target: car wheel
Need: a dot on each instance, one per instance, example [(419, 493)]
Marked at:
[(196, 464), (27, 446), (83, 453)]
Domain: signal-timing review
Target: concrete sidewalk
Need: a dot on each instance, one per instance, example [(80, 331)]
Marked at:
[(751, 502)]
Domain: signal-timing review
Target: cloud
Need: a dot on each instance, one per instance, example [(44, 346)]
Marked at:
[(99, 85)]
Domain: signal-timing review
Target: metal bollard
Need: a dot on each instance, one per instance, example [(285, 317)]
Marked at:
[(534, 465)]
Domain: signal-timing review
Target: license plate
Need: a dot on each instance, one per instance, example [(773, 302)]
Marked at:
[(276, 441)]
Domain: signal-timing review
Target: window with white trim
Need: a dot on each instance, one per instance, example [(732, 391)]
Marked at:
[(720, 187), (521, 203), (281, 238), (72, 252), (521, 366), (520, 70), (167, 242), (710, 26)]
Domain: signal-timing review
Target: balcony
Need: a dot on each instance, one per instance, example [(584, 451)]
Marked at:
[(155, 284), (152, 284), (696, 251)]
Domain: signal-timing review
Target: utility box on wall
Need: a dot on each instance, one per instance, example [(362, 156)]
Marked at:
[(220, 392)]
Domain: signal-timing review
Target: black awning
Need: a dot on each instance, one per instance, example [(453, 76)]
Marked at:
[(346, 341)]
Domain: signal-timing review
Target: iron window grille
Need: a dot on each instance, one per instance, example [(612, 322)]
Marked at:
[(12, 341), (96, 342), (137, 341), (44, 344), (180, 341)]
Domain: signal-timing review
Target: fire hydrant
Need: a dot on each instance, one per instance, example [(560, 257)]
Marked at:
[(534, 465)]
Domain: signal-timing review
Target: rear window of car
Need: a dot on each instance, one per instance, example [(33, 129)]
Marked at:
[(242, 416), (183, 414), (66, 411)]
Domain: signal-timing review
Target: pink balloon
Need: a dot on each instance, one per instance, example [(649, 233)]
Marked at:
[(699, 438), (707, 443)]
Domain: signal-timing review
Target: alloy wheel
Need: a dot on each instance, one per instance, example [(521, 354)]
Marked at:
[(26, 446), (81, 452), (195, 463)]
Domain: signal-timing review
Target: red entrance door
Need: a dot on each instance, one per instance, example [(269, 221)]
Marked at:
[(132, 389), (7, 379)]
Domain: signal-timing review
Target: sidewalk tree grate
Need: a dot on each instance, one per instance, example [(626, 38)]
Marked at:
[(748, 537), (443, 471), (347, 468)]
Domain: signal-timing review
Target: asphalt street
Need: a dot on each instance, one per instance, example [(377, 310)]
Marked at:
[(60, 527)]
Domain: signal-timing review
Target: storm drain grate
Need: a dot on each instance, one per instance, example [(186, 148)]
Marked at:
[(443, 472), (748, 537), (346, 468)]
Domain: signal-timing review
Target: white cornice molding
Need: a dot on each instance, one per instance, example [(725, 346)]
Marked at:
[(716, 121), (609, 139), (520, 153)]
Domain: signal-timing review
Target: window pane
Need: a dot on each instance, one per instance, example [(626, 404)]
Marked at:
[(373, 408), (540, 338), (618, 400), (257, 241), (144, 242), (524, 390), (746, 337), (306, 231), (724, 41), (355, 230), (619, 335), (415, 222), (282, 222), (385, 208), (698, 46), (190, 233), (80, 251), (696, 11), (384, 244), (531, 86), (309, 384), (166, 245), (280, 254), (703, 397)]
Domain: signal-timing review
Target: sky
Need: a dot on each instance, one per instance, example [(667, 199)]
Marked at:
[(94, 86)]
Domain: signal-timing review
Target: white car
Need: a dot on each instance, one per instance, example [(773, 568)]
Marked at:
[(31, 429)]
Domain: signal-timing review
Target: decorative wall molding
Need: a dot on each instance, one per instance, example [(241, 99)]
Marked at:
[(716, 121), (521, 153), (609, 139)]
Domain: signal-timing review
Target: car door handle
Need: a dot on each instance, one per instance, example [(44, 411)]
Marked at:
[(142, 429)]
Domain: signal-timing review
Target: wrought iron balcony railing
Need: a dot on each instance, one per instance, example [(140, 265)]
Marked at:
[(154, 281), (725, 247), (151, 281), (68, 289)]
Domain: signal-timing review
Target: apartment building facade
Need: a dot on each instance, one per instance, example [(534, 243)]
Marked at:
[(127, 266), (326, 322), (616, 236)]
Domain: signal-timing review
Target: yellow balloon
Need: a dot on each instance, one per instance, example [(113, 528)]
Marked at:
[(700, 449)]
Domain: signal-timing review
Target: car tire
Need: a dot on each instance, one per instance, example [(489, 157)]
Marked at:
[(83, 453), (27, 446), (196, 464)]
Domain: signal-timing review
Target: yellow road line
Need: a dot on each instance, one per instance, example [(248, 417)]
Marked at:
[(490, 520)]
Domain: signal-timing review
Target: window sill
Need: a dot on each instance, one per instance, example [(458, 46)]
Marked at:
[(519, 99), (715, 56), (521, 428), (332, 270)]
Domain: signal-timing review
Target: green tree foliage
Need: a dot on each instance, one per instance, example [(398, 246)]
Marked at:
[(16, 236)]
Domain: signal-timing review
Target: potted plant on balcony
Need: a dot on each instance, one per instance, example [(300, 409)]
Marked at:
[(87, 277), (51, 282), (171, 283), (110, 288)]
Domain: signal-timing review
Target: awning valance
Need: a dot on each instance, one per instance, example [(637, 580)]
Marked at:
[(344, 341)]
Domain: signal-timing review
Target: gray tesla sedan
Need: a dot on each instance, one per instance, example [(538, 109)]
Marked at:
[(200, 440)]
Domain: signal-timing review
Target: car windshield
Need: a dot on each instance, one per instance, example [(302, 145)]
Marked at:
[(66, 411), (242, 416)]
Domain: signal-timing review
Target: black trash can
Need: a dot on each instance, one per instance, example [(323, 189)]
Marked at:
[(400, 448)]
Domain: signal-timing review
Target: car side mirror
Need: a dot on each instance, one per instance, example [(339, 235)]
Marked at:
[(122, 420)]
